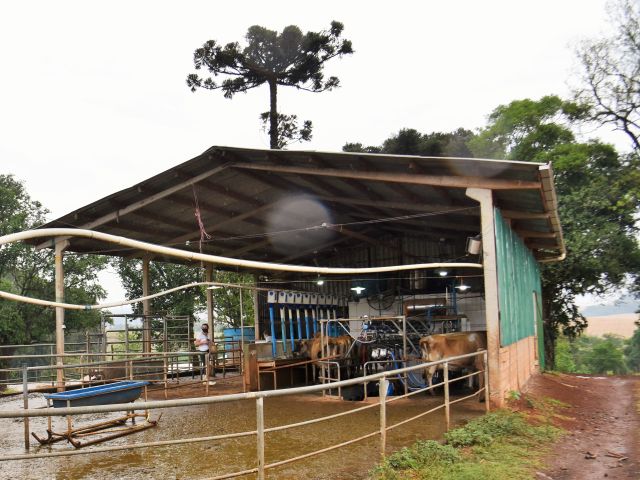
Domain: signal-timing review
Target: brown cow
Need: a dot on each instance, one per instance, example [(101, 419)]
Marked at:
[(446, 345), (110, 371), (335, 349)]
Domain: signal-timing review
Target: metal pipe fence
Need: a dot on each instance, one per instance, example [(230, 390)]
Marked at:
[(260, 432)]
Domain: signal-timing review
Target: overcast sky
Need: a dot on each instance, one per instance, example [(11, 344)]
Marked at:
[(93, 96)]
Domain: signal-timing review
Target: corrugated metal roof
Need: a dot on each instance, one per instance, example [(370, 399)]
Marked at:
[(248, 197)]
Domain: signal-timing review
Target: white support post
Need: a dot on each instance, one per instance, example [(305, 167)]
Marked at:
[(447, 406), (208, 277), (60, 245), (492, 307), (260, 435), (382, 396)]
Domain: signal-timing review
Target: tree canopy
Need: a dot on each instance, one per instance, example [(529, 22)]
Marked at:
[(289, 58), (409, 141), (192, 301), (30, 272), (610, 75), (599, 197)]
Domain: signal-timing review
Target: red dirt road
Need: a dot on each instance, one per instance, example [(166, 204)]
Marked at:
[(602, 423)]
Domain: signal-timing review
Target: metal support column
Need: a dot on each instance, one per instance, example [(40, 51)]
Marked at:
[(146, 306)]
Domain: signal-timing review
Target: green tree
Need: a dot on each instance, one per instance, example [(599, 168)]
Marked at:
[(599, 197), (606, 357), (30, 272), (163, 276), (564, 356), (632, 350), (289, 58), (192, 301), (610, 77), (409, 141)]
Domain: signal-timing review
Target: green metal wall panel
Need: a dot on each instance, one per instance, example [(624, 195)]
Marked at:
[(518, 279)]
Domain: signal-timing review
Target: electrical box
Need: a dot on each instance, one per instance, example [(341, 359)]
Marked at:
[(282, 297), (272, 296)]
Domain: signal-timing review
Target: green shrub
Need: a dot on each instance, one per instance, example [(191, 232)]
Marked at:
[(422, 454), (484, 430)]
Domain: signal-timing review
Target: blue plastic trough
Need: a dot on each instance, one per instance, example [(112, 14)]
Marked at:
[(118, 392)]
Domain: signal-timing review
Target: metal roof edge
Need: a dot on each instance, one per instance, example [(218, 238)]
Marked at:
[(550, 200), (376, 155)]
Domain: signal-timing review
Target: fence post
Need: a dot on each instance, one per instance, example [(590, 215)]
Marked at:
[(382, 394), (206, 373), (485, 362), (447, 413), (260, 435), (25, 397), (164, 368)]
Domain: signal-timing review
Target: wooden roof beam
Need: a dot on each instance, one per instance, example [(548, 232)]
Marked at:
[(535, 234), (517, 215), (315, 250), (415, 206), (215, 227), (398, 177), (372, 241)]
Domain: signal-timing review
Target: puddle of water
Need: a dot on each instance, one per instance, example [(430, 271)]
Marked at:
[(202, 460)]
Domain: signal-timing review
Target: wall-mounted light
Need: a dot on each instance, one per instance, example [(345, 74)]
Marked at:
[(474, 245), (358, 290), (442, 272)]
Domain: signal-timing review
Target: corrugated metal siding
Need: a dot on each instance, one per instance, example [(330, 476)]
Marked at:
[(518, 279)]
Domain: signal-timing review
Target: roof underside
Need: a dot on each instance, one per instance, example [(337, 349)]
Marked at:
[(271, 204)]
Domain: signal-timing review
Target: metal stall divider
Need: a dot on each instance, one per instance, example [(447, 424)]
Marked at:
[(289, 300), (298, 307), (322, 308), (313, 307), (272, 298), (306, 299), (282, 300), (334, 306)]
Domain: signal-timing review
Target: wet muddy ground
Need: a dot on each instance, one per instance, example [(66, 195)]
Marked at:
[(204, 460)]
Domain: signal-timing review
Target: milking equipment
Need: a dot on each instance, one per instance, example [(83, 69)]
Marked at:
[(272, 298), (282, 299), (313, 307), (291, 307), (297, 299), (305, 306), (289, 299)]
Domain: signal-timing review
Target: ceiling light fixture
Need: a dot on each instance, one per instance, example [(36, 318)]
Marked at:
[(463, 287)]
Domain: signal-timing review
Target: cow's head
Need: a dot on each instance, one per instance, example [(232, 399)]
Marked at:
[(302, 349), (429, 353)]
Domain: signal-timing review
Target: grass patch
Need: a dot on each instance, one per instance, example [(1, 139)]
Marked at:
[(8, 391), (500, 445)]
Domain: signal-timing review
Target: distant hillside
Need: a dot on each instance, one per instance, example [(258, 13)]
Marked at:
[(626, 304), (622, 325)]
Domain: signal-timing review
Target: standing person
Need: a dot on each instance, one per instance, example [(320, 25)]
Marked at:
[(202, 344)]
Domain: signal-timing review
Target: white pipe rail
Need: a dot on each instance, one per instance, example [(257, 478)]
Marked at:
[(194, 257), (260, 431)]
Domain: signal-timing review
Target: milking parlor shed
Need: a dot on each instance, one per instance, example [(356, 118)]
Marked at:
[(356, 210)]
